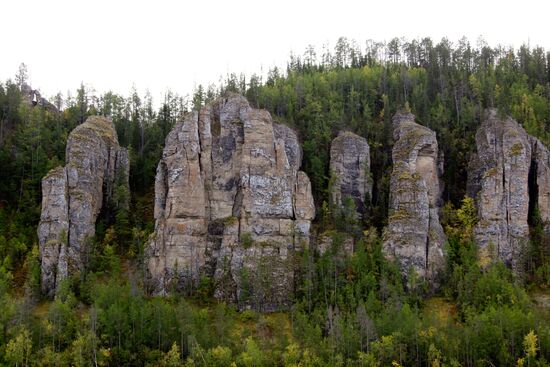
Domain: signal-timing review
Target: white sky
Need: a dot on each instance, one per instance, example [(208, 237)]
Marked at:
[(160, 44)]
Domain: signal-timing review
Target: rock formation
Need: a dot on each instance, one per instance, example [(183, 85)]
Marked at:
[(414, 235), (32, 97), (73, 196), (350, 167), (539, 181), (508, 176), (231, 205)]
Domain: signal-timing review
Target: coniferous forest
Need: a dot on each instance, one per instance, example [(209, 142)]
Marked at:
[(349, 308)]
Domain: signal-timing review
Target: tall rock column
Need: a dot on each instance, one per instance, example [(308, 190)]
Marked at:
[(231, 205), (73, 196), (414, 236), (539, 182), (350, 167), (180, 205), (498, 181), (509, 176)]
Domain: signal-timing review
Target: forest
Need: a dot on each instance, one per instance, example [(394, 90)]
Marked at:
[(348, 309)]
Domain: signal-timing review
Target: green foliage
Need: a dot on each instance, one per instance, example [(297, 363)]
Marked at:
[(171, 358), (18, 350), (365, 319), (32, 264), (536, 262), (246, 239), (347, 218), (7, 305)]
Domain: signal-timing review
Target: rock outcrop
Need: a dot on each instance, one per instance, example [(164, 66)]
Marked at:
[(32, 97), (350, 167), (508, 177), (73, 196), (230, 205), (414, 236)]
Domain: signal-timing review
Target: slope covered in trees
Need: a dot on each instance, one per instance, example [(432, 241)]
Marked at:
[(350, 309)]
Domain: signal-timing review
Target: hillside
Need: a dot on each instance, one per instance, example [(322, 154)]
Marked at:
[(374, 206)]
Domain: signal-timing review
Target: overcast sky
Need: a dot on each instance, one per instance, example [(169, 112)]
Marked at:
[(160, 44)]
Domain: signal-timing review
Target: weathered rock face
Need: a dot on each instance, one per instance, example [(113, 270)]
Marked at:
[(539, 181), (72, 198), (414, 235), (230, 204), (508, 175), (350, 165)]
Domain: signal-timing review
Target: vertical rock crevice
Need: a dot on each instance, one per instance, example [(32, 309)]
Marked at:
[(509, 178), (533, 191)]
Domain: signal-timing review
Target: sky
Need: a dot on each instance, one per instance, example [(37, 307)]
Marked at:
[(169, 44)]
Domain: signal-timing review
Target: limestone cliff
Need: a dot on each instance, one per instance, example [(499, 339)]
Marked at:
[(231, 205), (72, 198), (414, 236), (508, 176), (350, 167)]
